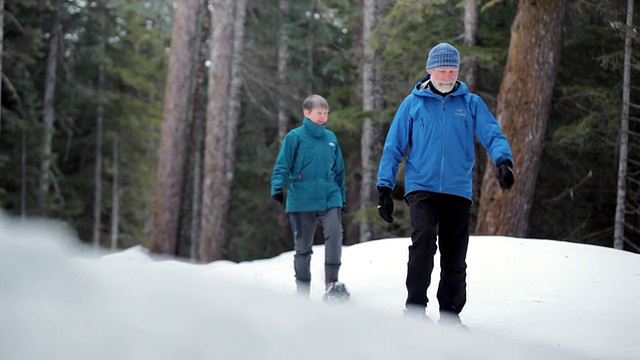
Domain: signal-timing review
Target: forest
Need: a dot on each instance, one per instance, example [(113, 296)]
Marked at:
[(157, 123)]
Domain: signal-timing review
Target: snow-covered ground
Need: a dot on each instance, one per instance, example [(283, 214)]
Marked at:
[(527, 299)]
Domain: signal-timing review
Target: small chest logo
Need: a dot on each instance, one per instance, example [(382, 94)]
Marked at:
[(460, 112)]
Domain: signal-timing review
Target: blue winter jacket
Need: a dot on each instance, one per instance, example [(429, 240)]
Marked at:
[(437, 133), (310, 163)]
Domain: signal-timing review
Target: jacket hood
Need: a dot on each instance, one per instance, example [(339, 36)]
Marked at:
[(423, 81)]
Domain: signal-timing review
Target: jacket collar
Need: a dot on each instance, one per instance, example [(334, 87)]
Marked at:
[(317, 131), (421, 88)]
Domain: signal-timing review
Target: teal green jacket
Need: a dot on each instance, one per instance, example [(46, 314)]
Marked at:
[(311, 167)]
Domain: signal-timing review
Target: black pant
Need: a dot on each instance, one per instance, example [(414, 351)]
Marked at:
[(446, 216)]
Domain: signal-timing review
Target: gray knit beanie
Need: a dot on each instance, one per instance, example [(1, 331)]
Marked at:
[(443, 54)]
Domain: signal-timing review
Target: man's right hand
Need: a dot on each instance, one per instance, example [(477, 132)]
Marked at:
[(385, 204), (278, 196)]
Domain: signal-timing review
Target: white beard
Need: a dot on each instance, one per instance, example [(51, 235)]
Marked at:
[(443, 88)]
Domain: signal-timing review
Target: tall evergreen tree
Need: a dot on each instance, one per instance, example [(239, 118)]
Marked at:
[(216, 190), (171, 161), (471, 75), (98, 195), (524, 107), (370, 143), (619, 224), (1, 50), (115, 193), (48, 112), (190, 231)]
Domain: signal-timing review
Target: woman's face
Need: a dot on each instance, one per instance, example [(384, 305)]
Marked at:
[(318, 116)]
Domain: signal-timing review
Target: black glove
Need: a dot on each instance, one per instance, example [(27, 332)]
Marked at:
[(385, 204), (278, 196), (505, 174)]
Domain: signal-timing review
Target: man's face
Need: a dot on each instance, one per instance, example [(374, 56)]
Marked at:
[(444, 78), (317, 115)]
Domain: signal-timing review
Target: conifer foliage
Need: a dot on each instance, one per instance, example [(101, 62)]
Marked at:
[(158, 122)]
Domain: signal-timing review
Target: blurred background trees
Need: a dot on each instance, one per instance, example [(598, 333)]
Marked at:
[(88, 96)]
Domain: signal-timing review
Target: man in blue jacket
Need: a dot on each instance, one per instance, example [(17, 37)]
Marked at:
[(311, 167), (435, 126)]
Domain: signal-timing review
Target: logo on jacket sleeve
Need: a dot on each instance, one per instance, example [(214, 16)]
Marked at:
[(332, 144)]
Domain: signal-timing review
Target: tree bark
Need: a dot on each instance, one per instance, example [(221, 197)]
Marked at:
[(212, 226), (23, 173), (283, 62), (235, 92), (470, 74), (115, 193), (233, 118), (1, 50), (97, 179), (48, 115), (282, 115), (310, 48), (192, 190), (470, 70), (198, 115), (171, 161), (524, 106), (370, 129), (618, 236)]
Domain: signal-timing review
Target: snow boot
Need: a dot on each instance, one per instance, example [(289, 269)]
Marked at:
[(416, 312), (336, 293), (452, 319)]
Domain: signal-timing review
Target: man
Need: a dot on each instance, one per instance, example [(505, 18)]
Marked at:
[(310, 163), (436, 125)]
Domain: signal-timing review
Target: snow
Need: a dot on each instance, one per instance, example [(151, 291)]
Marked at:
[(527, 299)]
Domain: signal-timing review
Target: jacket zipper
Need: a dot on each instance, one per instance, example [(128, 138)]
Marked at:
[(443, 147)]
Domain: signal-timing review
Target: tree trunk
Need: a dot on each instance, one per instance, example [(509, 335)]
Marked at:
[(470, 71), (235, 91), (48, 115), (470, 74), (283, 116), (171, 161), (1, 49), (618, 236), (97, 198), (23, 173), (524, 106), (115, 193), (233, 117), (215, 189), (283, 60), (199, 128), (190, 205), (310, 47), (370, 129)]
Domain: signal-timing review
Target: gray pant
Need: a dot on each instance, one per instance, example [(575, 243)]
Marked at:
[(303, 225)]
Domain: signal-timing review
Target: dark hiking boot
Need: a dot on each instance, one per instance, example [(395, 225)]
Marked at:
[(416, 312), (451, 319)]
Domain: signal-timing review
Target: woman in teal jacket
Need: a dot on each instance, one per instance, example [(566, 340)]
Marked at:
[(310, 166), (435, 127)]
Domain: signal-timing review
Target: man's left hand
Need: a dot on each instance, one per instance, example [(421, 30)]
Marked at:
[(505, 174)]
